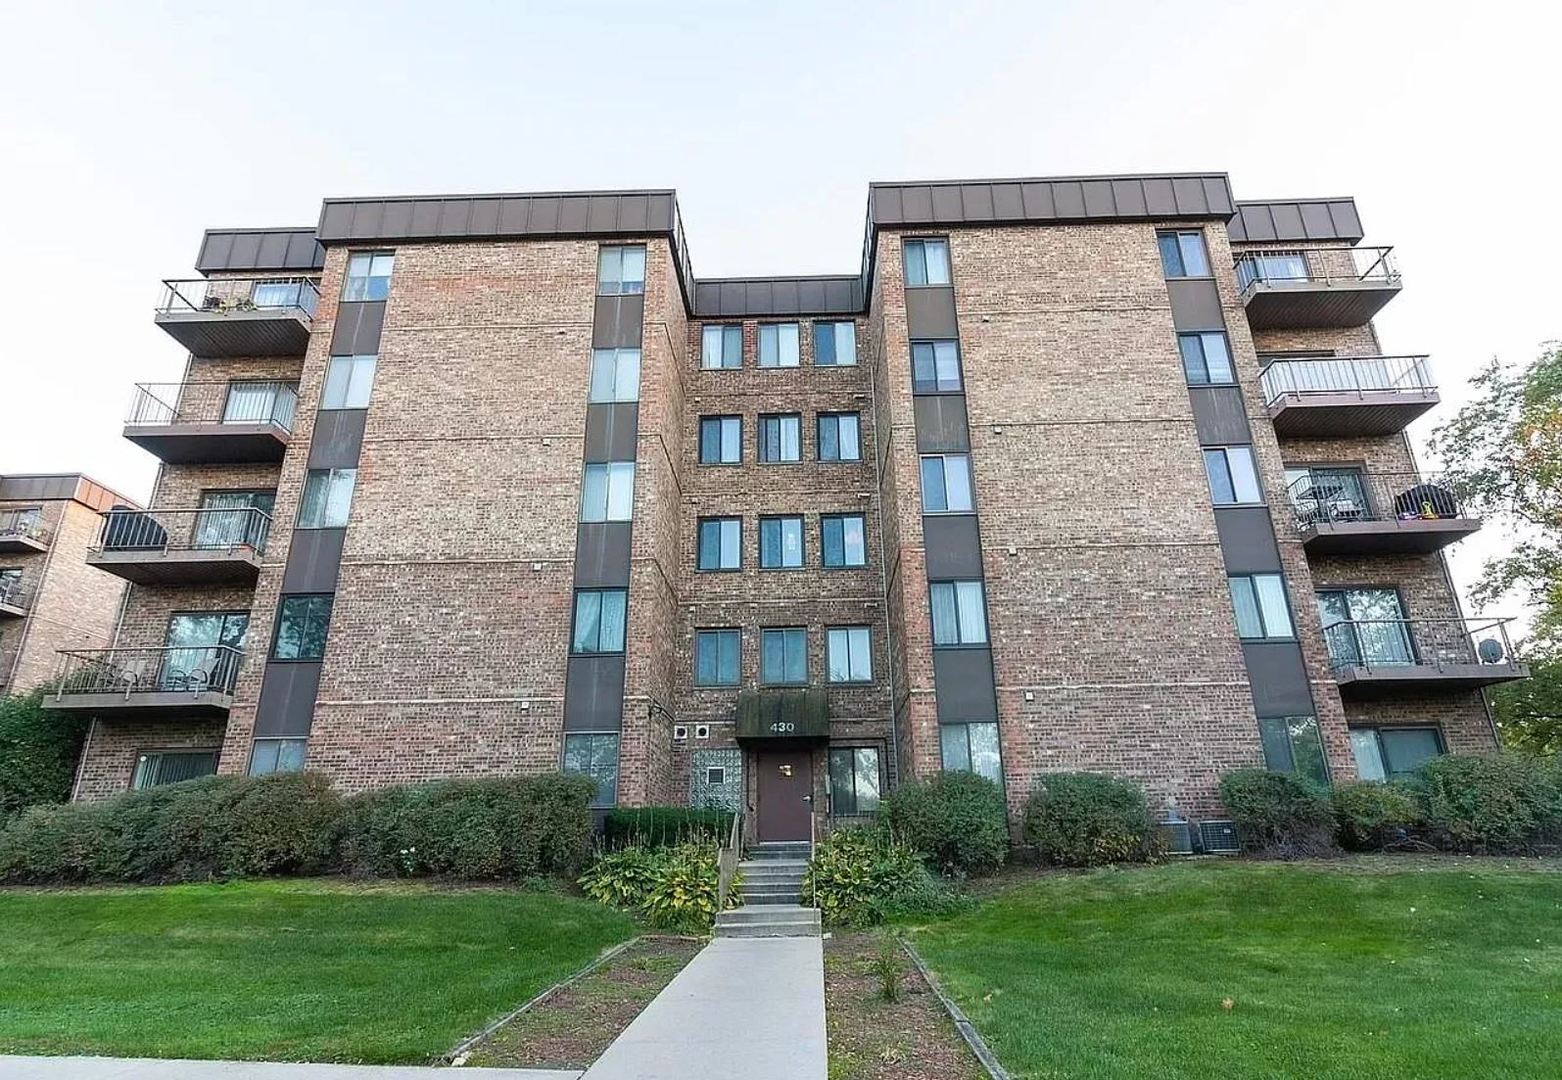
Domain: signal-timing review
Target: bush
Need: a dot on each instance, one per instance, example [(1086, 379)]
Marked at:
[(1277, 814), (957, 820), (212, 828), (1499, 802), (502, 829), (675, 888), (623, 879), (858, 875), (38, 753), (1085, 819), (1371, 815), (664, 826)]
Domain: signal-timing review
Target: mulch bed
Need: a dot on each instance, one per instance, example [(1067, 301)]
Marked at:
[(873, 1039), (571, 1029)]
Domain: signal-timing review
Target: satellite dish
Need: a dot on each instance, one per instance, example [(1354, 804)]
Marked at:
[(1490, 651)]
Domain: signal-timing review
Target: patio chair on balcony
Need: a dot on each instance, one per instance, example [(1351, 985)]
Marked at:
[(197, 679)]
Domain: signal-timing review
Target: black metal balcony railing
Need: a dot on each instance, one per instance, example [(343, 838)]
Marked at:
[(203, 669), (1335, 496), (23, 525), (224, 296), (1396, 644), (213, 402), (1336, 375), (231, 529), (15, 592), (1320, 265)]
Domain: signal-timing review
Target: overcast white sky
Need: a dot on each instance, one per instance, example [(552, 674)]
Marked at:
[(127, 128)]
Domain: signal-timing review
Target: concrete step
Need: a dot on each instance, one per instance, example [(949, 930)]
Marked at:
[(787, 852), (793, 897), (769, 920), (773, 913), (774, 866), (764, 885)]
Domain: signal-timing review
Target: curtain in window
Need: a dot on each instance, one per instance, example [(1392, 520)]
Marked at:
[(1271, 602), (946, 626), (252, 403), (1404, 749), (173, 767), (1364, 746), (934, 497), (829, 439), (227, 519), (972, 612), (1250, 622), (984, 751)]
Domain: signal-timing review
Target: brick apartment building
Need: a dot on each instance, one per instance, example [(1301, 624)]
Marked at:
[(1102, 473), (50, 599)]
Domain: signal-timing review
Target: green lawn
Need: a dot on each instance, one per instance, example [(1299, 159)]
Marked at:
[(1365, 970), (281, 970)]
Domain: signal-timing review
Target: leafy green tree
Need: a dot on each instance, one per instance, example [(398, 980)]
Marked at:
[(1502, 453), (38, 752)]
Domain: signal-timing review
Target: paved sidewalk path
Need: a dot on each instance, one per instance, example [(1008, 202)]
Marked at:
[(749, 1008), (97, 1068)]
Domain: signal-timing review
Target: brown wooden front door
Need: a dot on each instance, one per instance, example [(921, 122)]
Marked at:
[(786, 787)]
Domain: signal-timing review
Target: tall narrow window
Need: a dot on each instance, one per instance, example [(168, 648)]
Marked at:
[(935, 367), (778, 345), (781, 438), (721, 544), (721, 346), (721, 440), (971, 748), (1233, 478), (608, 492), (780, 543), (620, 270), (615, 375), (840, 437), (835, 344), (849, 654), (260, 402), (717, 657), (594, 754), (927, 261), (959, 612), (328, 498), (368, 275), (302, 624), (1182, 254), (1259, 602), (1206, 358), (234, 518), (1291, 745), (946, 484), (783, 656), (348, 380), (854, 781), (599, 621), (842, 539)]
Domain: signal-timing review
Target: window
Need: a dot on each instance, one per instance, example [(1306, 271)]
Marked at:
[(157, 767), (1233, 478), (935, 367), (721, 347), (276, 755), (1182, 254), (368, 275), (620, 271), (233, 519), (840, 437), (28, 522), (781, 438), (721, 544), (843, 540), (1272, 266), (849, 657), (594, 754), (348, 380), (1259, 601), (328, 496), (207, 629), (717, 656), (204, 649), (835, 344), (715, 774), (1206, 358), (280, 293), (946, 484), (783, 656), (302, 623), (615, 375), (260, 402), (780, 543), (927, 262), (599, 621), (778, 345), (1365, 627), (854, 781), (608, 493), (1292, 745), (11, 587), (1389, 753), (1319, 495), (959, 613), (971, 748), (721, 440)]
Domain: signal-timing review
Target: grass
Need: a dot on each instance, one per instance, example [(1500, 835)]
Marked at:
[(1355, 970), (280, 970)]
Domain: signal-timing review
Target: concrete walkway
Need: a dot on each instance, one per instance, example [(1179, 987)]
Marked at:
[(749, 1008), (97, 1068)]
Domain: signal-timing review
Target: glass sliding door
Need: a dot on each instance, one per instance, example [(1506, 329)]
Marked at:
[(228, 519), (195, 655), (1365, 628)]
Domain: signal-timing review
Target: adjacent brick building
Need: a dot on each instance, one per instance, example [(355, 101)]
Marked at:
[(1100, 473)]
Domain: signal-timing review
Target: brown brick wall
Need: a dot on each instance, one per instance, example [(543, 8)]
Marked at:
[(109, 763)]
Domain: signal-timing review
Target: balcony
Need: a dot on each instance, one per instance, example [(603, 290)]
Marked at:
[(1348, 511), (22, 532), (240, 316), (1337, 396), (16, 597), (1309, 288), (150, 683), (1376, 657), (209, 546), (213, 422)]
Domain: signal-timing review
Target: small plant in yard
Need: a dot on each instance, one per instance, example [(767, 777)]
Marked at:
[(887, 967), (957, 820), (674, 888), (859, 877), (1086, 819), (1277, 814), (1373, 815), (623, 879)]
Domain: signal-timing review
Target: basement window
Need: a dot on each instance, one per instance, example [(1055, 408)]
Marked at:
[(157, 767)]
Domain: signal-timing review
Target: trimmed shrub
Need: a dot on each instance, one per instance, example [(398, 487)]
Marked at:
[(500, 829), (1370, 815), (1498, 802), (1086, 819), (956, 820), (38, 753), (1277, 814), (664, 826)]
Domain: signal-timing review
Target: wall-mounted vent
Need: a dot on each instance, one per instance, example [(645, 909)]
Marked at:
[(1177, 837), (702, 731), (680, 733), (1218, 838)]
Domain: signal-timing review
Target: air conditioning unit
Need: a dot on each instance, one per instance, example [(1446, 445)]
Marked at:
[(1218, 838), (680, 733), (1176, 837)]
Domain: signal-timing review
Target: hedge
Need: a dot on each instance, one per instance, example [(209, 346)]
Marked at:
[(664, 826), (38, 753), (1496, 802), (1371, 815), (956, 820), (1277, 814), (1087, 819)]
